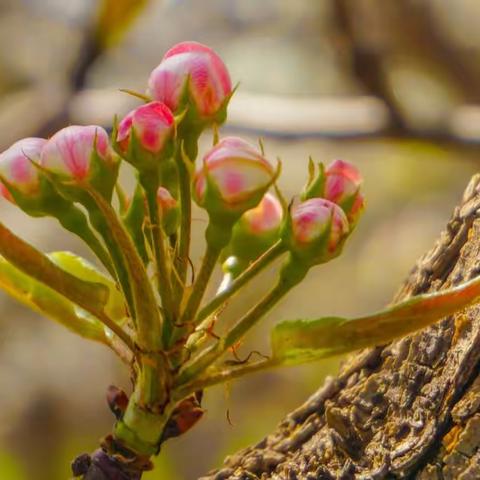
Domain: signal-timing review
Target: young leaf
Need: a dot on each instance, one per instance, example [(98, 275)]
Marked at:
[(90, 296), (35, 264), (81, 268), (46, 301), (301, 341)]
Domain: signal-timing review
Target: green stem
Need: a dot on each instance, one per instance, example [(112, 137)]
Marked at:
[(185, 225), (158, 242), (208, 264), (185, 156), (221, 376), (254, 269), (290, 276), (141, 429), (228, 291), (100, 225)]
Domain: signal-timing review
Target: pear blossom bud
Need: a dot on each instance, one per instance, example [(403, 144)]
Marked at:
[(17, 170), (70, 152), (342, 186), (316, 231), (209, 86), (153, 125), (169, 210), (257, 230), (233, 179)]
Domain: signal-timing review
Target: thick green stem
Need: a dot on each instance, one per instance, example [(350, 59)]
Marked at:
[(289, 277)]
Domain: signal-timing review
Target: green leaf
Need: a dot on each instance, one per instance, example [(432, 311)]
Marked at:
[(89, 295), (46, 301), (92, 297), (301, 341), (81, 268)]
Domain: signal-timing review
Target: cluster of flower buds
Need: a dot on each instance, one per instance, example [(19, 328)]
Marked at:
[(340, 183), (231, 182), (330, 208), (145, 246), (75, 155)]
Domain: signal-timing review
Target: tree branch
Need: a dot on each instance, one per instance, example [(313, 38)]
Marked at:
[(410, 408)]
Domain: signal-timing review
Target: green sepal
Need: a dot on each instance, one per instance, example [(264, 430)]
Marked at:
[(301, 341), (315, 186), (46, 301)]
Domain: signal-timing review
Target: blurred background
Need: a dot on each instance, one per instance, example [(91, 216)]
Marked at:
[(392, 86)]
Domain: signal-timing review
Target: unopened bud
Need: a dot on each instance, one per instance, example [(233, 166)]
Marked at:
[(17, 172), (257, 230), (316, 231), (342, 186), (233, 179), (169, 211), (192, 74), (69, 152), (153, 126)]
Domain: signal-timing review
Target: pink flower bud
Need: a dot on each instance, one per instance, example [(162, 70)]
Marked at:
[(342, 186), (317, 231), (264, 218), (69, 152), (165, 200), (16, 166), (257, 230), (209, 83), (233, 178), (169, 210), (153, 124)]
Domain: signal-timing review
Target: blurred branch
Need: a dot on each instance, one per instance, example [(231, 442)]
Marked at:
[(110, 24), (378, 33)]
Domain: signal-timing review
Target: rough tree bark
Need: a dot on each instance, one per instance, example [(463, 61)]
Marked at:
[(409, 409)]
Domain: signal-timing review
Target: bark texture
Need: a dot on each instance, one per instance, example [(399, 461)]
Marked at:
[(409, 409)]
